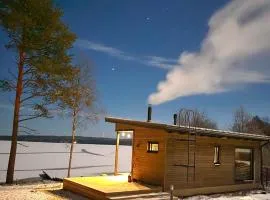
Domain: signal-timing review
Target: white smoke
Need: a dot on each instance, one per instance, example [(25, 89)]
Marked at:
[(235, 52)]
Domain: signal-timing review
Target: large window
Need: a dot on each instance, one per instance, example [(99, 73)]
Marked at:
[(217, 155), (243, 164), (152, 147)]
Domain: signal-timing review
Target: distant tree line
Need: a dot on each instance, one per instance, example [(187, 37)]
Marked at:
[(195, 118), (242, 121), (68, 139)]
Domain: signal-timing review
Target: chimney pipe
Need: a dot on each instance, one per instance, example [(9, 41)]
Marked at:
[(149, 113), (174, 119)]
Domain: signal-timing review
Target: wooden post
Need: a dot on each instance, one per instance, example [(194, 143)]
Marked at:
[(267, 169), (116, 153), (261, 158), (132, 154)]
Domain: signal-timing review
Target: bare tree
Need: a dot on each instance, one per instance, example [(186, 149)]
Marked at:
[(80, 101), (195, 118), (259, 125), (245, 122), (241, 119)]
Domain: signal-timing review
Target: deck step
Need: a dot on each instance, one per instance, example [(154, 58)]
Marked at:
[(148, 196)]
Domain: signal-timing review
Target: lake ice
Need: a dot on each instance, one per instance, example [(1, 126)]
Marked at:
[(88, 159)]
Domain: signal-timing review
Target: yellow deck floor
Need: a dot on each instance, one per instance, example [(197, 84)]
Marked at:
[(107, 185)]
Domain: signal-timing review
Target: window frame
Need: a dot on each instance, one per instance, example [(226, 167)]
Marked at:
[(149, 149), (217, 153), (252, 163)]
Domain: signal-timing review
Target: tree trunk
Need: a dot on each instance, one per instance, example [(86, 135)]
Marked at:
[(74, 123), (13, 149)]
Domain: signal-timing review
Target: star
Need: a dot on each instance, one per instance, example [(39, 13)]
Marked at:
[(147, 18), (113, 69)]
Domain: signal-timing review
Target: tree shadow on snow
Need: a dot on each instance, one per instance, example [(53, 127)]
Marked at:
[(88, 152), (58, 152), (59, 168)]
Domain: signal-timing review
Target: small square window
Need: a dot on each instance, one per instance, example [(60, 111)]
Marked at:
[(217, 155), (152, 147)]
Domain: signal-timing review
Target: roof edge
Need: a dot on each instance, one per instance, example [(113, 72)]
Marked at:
[(198, 130)]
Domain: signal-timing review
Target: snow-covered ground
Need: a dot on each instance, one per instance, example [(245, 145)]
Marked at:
[(249, 196), (88, 159)]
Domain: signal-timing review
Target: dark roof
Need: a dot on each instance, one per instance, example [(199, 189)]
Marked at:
[(185, 129)]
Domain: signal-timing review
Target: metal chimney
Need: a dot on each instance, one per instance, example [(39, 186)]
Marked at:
[(149, 113), (174, 119)]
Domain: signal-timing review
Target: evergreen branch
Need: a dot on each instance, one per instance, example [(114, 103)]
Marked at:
[(27, 132), (30, 129), (27, 104), (29, 115), (33, 117), (29, 97), (12, 74)]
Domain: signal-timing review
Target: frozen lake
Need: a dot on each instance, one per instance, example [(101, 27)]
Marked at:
[(88, 159)]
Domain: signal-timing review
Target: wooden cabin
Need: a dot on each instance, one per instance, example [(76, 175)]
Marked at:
[(193, 160)]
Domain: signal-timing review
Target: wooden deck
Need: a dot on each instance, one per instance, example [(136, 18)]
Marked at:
[(106, 187)]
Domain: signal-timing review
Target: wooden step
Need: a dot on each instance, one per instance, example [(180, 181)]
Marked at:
[(149, 196)]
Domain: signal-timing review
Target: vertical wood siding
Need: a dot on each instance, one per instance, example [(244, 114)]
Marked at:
[(147, 167), (206, 173), (164, 168)]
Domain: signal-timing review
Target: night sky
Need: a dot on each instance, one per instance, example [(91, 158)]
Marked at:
[(200, 54)]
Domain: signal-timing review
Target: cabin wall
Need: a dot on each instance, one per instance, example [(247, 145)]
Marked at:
[(147, 167), (206, 173), (167, 168)]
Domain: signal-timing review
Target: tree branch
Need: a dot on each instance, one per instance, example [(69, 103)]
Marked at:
[(12, 74), (27, 98), (33, 117), (29, 130), (29, 133)]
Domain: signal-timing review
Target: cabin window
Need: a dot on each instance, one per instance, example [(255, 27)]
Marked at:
[(152, 147), (217, 155), (243, 164)]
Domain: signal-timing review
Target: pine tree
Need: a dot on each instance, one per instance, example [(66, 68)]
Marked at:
[(40, 41)]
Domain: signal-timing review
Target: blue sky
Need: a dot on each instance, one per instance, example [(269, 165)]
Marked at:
[(193, 49)]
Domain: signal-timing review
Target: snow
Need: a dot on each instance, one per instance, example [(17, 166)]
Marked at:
[(225, 197), (88, 159)]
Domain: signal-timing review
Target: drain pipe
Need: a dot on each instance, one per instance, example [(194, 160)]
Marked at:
[(262, 162)]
